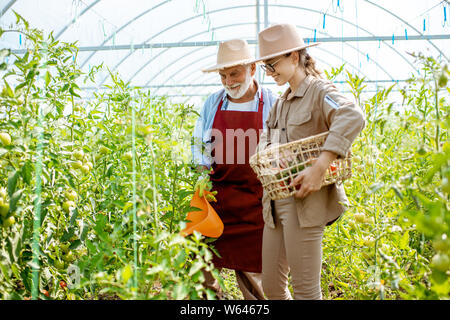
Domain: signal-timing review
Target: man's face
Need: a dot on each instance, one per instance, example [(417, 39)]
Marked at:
[(236, 80)]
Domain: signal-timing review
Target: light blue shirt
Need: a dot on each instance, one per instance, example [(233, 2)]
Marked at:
[(202, 132)]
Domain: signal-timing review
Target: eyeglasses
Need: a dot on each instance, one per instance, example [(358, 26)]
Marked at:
[(270, 66)]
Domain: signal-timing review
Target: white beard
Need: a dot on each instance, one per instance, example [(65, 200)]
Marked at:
[(243, 87)]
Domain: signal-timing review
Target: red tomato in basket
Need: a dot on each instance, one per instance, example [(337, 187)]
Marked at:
[(333, 169)]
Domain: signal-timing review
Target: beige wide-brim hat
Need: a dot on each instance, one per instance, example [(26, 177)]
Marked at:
[(280, 39), (231, 53)]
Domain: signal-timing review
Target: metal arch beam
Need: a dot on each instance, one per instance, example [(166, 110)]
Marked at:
[(405, 22), (344, 20), (196, 61), (231, 25), (123, 27), (75, 19), (190, 37), (218, 84), (353, 66), (170, 27), (6, 7), (202, 58), (190, 64), (210, 79), (246, 6), (376, 63)]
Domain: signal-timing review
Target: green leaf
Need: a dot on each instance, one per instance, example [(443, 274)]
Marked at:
[(27, 172), (8, 89), (196, 266), (68, 234), (181, 290), (127, 272), (73, 217), (73, 93), (404, 241), (75, 244), (127, 206), (47, 78), (12, 182), (84, 231), (14, 199)]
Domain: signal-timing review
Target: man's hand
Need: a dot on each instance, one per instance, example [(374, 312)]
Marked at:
[(204, 184), (311, 178), (202, 169)]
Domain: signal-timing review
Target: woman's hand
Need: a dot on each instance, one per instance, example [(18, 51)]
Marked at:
[(311, 178)]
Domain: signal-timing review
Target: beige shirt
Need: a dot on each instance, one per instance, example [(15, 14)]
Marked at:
[(315, 107)]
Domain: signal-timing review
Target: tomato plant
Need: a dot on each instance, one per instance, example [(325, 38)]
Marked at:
[(115, 182)]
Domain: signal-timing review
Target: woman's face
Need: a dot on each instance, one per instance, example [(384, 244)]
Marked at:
[(285, 68)]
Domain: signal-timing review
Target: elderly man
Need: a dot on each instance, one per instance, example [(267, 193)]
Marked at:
[(228, 129)]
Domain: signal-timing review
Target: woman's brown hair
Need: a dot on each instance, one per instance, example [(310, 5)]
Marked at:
[(308, 63)]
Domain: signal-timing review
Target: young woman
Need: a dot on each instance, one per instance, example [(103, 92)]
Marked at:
[(292, 236)]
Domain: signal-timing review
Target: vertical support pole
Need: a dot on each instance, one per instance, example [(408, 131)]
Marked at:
[(258, 22), (266, 13)]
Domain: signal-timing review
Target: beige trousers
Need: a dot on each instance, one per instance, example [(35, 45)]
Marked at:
[(291, 248), (250, 284)]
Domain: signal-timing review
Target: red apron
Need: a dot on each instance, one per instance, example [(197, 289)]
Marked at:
[(239, 195)]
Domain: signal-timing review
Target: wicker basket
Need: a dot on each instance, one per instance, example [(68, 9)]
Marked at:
[(296, 155)]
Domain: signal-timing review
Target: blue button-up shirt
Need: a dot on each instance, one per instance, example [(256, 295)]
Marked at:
[(202, 132)]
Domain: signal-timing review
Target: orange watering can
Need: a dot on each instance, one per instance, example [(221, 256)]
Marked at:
[(206, 221)]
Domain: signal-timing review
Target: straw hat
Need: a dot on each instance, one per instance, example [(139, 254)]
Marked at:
[(231, 53), (280, 39)]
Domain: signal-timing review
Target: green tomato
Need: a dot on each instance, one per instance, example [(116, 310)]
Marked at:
[(69, 257), (103, 150), (4, 208), (352, 224), (368, 241), (59, 264), (90, 165), (441, 262), (442, 245), (146, 130), (5, 138), (71, 195), (67, 205), (9, 222), (78, 154), (446, 185), (65, 247), (128, 156), (369, 220), (85, 169), (443, 80), (76, 164), (360, 217), (421, 151), (446, 147)]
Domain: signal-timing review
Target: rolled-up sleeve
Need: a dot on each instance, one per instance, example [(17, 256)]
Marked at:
[(200, 155), (344, 118)]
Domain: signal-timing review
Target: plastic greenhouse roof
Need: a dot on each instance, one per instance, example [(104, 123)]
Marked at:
[(163, 45)]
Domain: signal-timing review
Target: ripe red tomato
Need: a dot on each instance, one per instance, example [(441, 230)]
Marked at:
[(63, 284), (333, 169)]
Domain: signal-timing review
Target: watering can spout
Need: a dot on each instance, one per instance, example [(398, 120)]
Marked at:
[(206, 221)]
